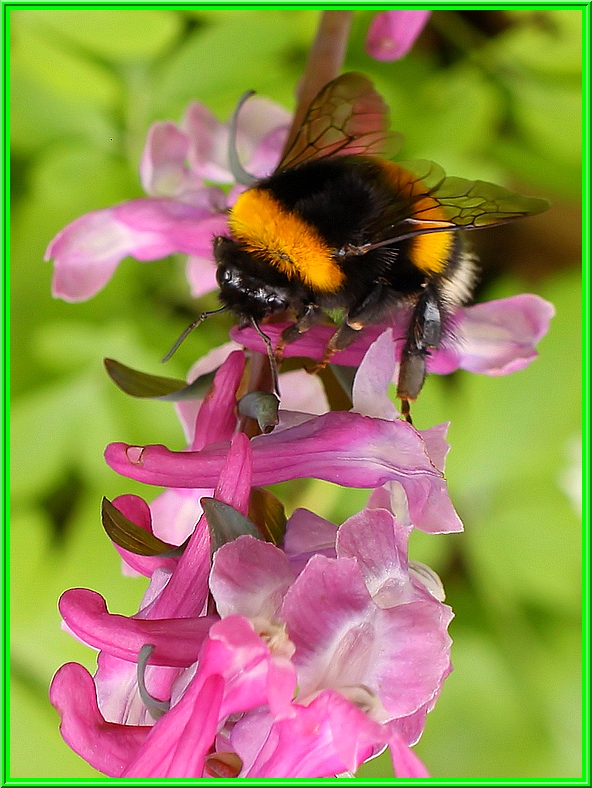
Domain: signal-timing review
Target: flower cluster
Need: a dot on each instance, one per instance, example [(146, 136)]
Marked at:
[(300, 661), (305, 649)]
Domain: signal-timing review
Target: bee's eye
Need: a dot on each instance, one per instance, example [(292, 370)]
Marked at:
[(224, 276)]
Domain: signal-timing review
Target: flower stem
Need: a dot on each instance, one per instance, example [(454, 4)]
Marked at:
[(324, 63)]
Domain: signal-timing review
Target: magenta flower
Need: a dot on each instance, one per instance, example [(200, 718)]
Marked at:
[(229, 686), (350, 449), (393, 33), (239, 648), (308, 654), (181, 213), (494, 338)]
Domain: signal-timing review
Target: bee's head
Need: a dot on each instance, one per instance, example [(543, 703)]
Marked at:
[(242, 287)]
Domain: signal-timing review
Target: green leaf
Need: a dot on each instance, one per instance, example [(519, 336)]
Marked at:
[(130, 536), (225, 523), (140, 384)]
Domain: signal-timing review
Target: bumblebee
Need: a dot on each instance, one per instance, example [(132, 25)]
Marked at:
[(338, 226)]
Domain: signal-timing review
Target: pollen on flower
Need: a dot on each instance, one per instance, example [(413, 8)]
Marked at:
[(135, 454), (275, 636)]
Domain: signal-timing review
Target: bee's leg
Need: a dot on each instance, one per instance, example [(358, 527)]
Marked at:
[(310, 315), (358, 317), (425, 332), (341, 339)]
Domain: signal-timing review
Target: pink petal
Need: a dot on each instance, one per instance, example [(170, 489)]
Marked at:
[(88, 250), (328, 737), (303, 392), (329, 617), (175, 226), (340, 447), (208, 152), (405, 761), (306, 535), (186, 593), (177, 641), (379, 545), (162, 169), (345, 448), (175, 514), (258, 118), (234, 649), (250, 578), (178, 743), (374, 375), (232, 677), (393, 33), (107, 746), (312, 344), (187, 410), (201, 275), (499, 337), (234, 485), (493, 338), (268, 151), (116, 683), (343, 640), (216, 419)]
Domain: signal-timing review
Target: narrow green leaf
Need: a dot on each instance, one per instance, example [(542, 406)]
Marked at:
[(130, 536), (140, 384), (225, 523)]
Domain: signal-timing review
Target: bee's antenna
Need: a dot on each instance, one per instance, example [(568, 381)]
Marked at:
[(236, 168), (190, 328), (270, 356)]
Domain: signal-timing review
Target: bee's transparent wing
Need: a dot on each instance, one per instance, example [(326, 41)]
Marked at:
[(347, 117), (428, 201)]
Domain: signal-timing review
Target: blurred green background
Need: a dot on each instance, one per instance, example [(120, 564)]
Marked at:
[(487, 94)]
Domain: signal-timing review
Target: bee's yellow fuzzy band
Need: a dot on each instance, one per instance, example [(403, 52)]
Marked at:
[(284, 240), (429, 252)]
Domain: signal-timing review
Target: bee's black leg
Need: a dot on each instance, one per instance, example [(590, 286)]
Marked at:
[(425, 332), (358, 317), (306, 320), (310, 315)]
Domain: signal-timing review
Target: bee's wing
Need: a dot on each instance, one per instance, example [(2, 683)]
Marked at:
[(347, 117), (428, 201)]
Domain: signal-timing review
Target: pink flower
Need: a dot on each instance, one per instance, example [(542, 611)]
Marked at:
[(350, 449), (393, 33), (238, 650), (181, 213), (229, 686), (494, 338)]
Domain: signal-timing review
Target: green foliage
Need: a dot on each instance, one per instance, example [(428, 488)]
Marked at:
[(499, 103)]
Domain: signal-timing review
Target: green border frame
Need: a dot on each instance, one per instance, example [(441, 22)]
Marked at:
[(586, 206)]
